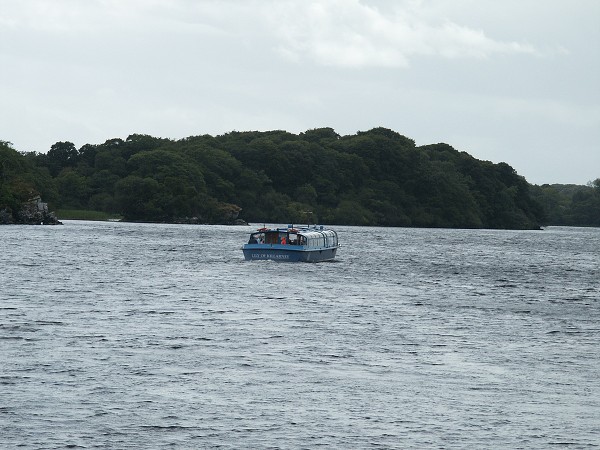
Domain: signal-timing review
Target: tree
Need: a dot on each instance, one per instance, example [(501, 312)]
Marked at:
[(135, 197), (61, 155), (73, 189)]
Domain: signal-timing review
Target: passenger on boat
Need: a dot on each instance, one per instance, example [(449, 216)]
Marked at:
[(283, 241)]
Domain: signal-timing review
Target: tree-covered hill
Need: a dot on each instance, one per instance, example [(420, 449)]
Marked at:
[(377, 177)]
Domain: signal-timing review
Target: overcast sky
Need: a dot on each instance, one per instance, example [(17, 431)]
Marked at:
[(512, 80)]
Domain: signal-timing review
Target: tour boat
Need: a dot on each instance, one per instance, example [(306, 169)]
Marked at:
[(309, 244)]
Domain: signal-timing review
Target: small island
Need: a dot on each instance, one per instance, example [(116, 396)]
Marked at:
[(372, 178)]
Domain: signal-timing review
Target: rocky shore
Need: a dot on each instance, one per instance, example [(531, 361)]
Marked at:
[(32, 212)]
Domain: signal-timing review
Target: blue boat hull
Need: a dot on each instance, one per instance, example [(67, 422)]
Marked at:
[(287, 254)]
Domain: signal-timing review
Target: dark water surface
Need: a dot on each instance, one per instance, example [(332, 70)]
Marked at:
[(117, 335)]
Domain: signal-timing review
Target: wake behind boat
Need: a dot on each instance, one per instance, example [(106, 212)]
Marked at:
[(309, 244)]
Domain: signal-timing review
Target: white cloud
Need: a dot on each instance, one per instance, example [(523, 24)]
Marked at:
[(79, 18), (350, 33), (346, 33)]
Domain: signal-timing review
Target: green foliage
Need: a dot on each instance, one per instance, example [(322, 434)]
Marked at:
[(136, 198), (73, 189), (21, 180), (376, 177), (568, 204), (61, 155)]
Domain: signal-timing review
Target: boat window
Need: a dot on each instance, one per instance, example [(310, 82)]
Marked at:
[(257, 238), (320, 239)]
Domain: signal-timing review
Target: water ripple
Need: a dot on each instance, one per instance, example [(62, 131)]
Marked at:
[(143, 336)]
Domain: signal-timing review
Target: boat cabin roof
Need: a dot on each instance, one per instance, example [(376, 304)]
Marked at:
[(304, 231)]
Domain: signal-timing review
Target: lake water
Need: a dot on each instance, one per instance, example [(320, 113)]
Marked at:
[(136, 336)]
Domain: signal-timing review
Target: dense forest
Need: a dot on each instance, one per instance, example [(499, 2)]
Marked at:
[(569, 204), (377, 177)]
